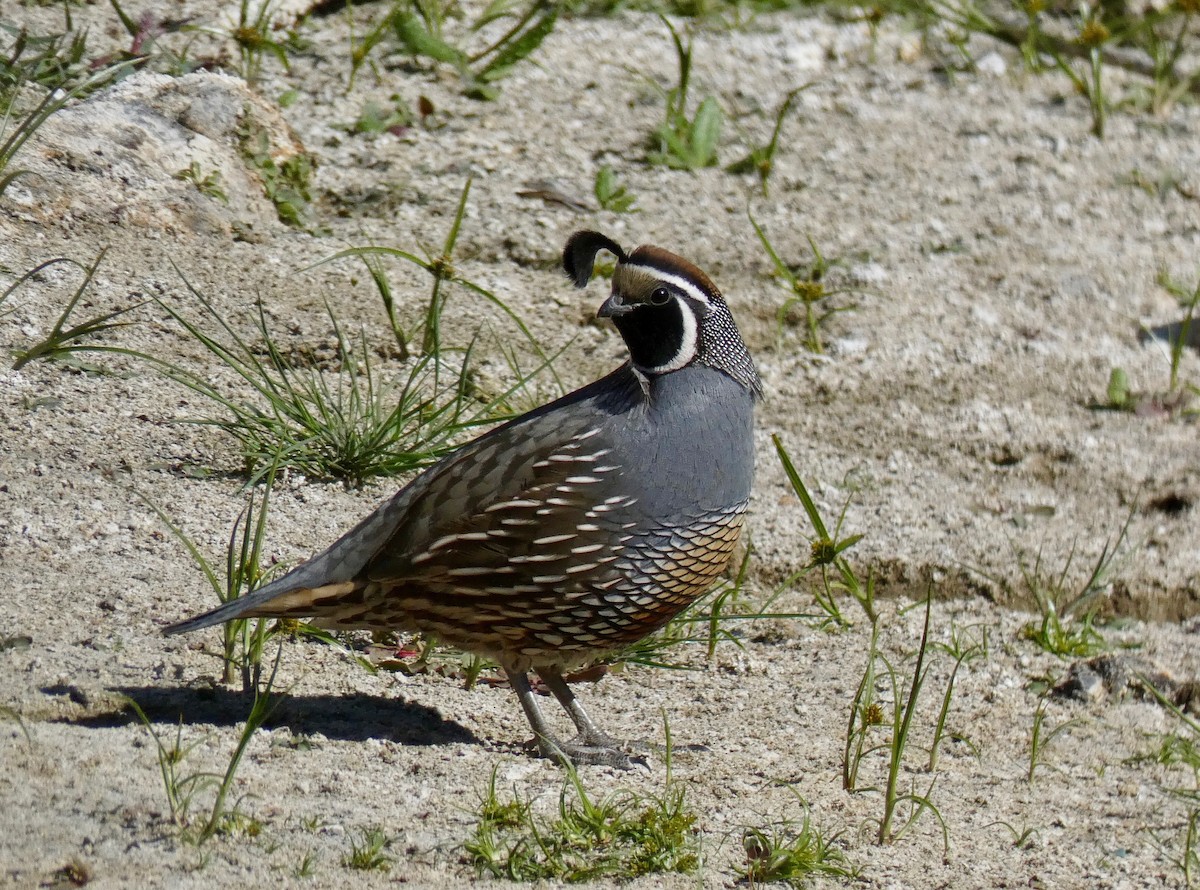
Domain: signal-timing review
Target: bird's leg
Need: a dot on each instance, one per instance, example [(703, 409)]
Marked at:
[(592, 738), (589, 733), (548, 744), (590, 746)]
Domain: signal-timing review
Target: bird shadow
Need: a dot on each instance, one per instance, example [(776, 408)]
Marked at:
[(347, 717)]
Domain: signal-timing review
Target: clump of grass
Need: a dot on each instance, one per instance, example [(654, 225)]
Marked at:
[(352, 427), (810, 291), (1042, 737), (1067, 614), (761, 159), (352, 422), (65, 343), (622, 836), (793, 853), (681, 141), (253, 33), (419, 29), (54, 66), (367, 852), (182, 789)]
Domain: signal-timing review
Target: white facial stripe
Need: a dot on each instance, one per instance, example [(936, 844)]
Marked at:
[(683, 284), (687, 344)]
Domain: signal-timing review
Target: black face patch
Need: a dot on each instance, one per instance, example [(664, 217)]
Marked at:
[(654, 334)]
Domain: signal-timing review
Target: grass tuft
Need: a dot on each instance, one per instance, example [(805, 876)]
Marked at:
[(1066, 626), (793, 853), (810, 292), (682, 142), (623, 836), (65, 343), (367, 852)]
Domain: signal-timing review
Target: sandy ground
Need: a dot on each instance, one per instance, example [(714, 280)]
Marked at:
[(1000, 260)]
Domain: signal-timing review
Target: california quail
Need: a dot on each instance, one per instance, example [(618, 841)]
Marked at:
[(572, 530)]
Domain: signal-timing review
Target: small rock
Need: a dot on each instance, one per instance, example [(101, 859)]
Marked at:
[(992, 64)]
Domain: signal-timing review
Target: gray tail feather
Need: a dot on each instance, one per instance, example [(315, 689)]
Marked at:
[(235, 608), (340, 562), (298, 578)]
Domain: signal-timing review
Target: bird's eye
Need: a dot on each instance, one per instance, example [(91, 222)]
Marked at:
[(659, 296)]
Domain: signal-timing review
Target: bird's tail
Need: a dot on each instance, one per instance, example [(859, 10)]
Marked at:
[(280, 599), (330, 580)]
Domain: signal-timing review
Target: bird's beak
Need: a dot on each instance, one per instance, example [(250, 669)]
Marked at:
[(614, 305)]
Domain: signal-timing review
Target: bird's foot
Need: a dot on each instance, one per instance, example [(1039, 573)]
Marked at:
[(586, 749)]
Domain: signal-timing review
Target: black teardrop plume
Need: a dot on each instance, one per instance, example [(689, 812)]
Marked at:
[(579, 256)]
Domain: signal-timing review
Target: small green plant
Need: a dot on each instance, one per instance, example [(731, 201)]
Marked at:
[(792, 853), (66, 343), (963, 648), (903, 711), (206, 183), (418, 28), (1118, 395), (307, 866), (252, 33), (1066, 626), (1042, 737), (182, 789), (376, 118), (1092, 36), (287, 183), (623, 836), (612, 195), (1188, 861), (223, 819), (1189, 300), (761, 159), (243, 639), (683, 142), (1180, 747), (439, 264), (56, 68), (367, 853), (835, 574), (809, 289), (1178, 398), (901, 809), (1022, 839)]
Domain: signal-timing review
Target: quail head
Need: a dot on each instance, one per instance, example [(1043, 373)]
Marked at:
[(575, 529)]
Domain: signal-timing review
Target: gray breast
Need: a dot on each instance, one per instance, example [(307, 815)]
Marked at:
[(689, 450)]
